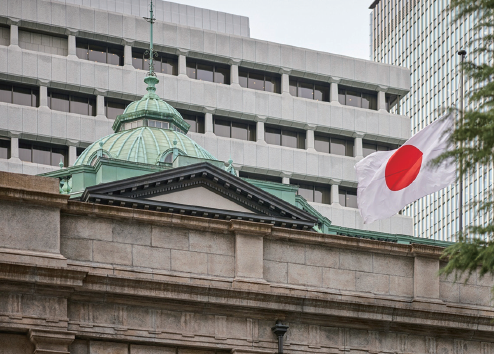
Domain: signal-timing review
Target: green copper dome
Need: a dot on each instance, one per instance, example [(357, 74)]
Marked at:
[(144, 145)]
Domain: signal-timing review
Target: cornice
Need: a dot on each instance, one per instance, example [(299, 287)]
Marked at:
[(33, 197)]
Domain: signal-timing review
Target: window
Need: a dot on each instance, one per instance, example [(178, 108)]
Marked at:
[(370, 147), (154, 124), (79, 151), (195, 120), (4, 149), (19, 94), (285, 137), (163, 63), (333, 145), (207, 71), (99, 52), (44, 154), (309, 89), (313, 192), (391, 100), (114, 108), (348, 197), (259, 177), (257, 80), (357, 98), (235, 129), (71, 103)]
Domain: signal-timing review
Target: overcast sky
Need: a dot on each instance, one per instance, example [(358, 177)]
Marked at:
[(334, 26)]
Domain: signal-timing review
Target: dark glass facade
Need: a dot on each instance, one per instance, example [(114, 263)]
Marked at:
[(258, 80), (4, 148), (334, 145), (348, 197), (163, 63), (357, 98), (195, 120), (113, 107), (235, 129), (285, 137), (313, 192), (309, 89), (207, 71), (99, 52), (369, 147), (19, 94), (44, 154), (71, 103), (259, 177)]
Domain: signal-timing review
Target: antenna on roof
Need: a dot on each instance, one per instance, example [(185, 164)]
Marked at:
[(151, 51)]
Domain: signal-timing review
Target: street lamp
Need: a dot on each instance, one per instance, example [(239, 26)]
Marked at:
[(279, 330)]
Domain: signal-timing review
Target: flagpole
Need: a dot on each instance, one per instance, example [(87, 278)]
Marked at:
[(462, 54)]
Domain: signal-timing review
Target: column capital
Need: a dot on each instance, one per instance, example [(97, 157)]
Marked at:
[(51, 341), (382, 88), (43, 82), (99, 92), (13, 21), (181, 51), (71, 32), (285, 174), (310, 127), (128, 41), (209, 110), (260, 118), (283, 70), (334, 79), (335, 181), (358, 135), (234, 61)]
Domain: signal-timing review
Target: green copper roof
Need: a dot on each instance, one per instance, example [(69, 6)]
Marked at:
[(143, 145)]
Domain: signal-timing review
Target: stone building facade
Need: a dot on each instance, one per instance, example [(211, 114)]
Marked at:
[(84, 278)]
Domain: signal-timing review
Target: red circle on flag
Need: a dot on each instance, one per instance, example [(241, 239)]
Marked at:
[(403, 167)]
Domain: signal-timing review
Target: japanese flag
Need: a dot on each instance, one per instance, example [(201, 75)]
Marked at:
[(389, 180)]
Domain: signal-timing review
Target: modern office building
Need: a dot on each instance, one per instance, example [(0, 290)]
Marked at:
[(423, 36), (281, 113)]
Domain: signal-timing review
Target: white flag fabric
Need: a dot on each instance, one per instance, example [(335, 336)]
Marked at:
[(389, 180)]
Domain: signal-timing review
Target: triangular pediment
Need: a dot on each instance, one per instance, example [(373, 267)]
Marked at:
[(200, 190)]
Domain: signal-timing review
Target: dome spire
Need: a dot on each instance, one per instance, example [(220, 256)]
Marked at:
[(151, 80)]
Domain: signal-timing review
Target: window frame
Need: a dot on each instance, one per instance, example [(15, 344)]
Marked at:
[(115, 101), (325, 198), (160, 57), (377, 144), (310, 82), (348, 142), (361, 92), (70, 95), (277, 87), (213, 64), (107, 46), (251, 133), (342, 191), (46, 146), (300, 133), (198, 118), (34, 93), (259, 177)]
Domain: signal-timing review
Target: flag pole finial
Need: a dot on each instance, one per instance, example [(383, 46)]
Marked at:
[(151, 52)]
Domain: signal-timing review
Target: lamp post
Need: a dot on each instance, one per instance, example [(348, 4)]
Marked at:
[(279, 330), (462, 54)]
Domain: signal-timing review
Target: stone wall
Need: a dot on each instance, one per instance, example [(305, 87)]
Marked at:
[(131, 281), (41, 42)]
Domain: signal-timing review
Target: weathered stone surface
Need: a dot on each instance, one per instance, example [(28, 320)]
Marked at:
[(191, 262), (78, 249), (152, 257), (170, 237), (98, 347), (26, 182), (86, 227), (112, 252), (15, 344), (340, 279)]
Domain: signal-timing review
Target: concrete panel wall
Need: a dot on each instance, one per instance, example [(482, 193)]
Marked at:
[(45, 43), (346, 270), (175, 13)]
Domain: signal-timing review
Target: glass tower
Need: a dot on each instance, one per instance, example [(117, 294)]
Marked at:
[(424, 37)]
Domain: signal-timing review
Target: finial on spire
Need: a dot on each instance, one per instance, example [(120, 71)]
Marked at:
[(151, 52)]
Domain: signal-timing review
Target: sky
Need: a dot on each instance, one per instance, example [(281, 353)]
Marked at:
[(334, 26)]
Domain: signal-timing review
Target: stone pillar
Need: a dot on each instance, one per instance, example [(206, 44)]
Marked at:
[(310, 138), (208, 122), (182, 64), (335, 194), (43, 96), (333, 92), (100, 106), (358, 150), (14, 148), (72, 155), (285, 180), (128, 55), (72, 51), (285, 81), (51, 341), (260, 129), (234, 73), (381, 100), (249, 251), (425, 278), (14, 35)]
